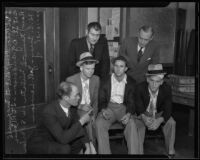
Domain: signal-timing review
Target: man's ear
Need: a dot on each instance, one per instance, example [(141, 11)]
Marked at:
[(81, 68), (86, 32), (126, 69)]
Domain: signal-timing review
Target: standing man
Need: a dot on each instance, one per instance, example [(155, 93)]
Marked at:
[(94, 43), (140, 52), (154, 106), (116, 103), (61, 130), (88, 85)]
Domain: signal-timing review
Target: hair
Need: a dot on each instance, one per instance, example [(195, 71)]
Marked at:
[(147, 28), (120, 58), (64, 88), (95, 25)]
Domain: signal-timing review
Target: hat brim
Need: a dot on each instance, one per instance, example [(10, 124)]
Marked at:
[(79, 63), (154, 74)]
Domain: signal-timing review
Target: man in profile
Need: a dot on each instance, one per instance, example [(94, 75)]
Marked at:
[(61, 130)]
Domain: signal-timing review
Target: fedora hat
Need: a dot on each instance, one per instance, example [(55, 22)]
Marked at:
[(155, 69), (86, 57)]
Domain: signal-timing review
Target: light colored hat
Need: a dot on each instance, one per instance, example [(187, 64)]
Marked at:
[(86, 57), (155, 70)]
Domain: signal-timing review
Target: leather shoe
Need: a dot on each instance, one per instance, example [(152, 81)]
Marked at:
[(171, 156)]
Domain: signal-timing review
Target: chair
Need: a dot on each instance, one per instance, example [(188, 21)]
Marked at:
[(116, 131)]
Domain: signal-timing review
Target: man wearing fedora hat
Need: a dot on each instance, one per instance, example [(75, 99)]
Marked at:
[(154, 106), (116, 103), (88, 85)]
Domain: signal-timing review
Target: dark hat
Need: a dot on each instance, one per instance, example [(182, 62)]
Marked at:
[(86, 57), (120, 58), (155, 69)]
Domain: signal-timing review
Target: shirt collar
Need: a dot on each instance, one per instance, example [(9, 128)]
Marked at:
[(124, 80), (84, 81), (138, 48), (154, 95), (66, 110)]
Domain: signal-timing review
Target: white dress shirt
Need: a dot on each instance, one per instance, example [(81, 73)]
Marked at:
[(66, 110), (85, 92), (117, 89), (138, 48)]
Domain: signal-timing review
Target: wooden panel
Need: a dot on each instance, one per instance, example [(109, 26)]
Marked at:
[(69, 29)]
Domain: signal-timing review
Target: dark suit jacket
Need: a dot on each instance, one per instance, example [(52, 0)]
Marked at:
[(164, 99), (128, 50), (105, 93), (93, 88), (101, 53), (56, 126)]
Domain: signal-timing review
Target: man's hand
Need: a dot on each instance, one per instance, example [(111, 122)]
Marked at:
[(85, 107), (85, 118), (106, 114), (156, 123), (147, 120), (125, 118)]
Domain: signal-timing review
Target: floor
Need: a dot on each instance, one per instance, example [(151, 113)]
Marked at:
[(184, 144)]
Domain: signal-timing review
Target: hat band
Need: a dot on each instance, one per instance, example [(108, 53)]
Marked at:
[(156, 72), (88, 58)]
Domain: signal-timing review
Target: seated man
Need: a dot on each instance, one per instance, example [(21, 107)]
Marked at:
[(88, 85), (116, 103), (61, 130), (154, 105)]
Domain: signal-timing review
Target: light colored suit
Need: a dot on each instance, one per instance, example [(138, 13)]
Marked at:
[(93, 91)]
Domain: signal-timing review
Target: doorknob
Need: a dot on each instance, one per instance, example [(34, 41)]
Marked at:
[(50, 68)]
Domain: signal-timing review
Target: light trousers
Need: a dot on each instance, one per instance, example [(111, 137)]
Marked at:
[(116, 112)]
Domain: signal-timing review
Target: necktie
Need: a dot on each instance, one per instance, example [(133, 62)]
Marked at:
[(139, 54), (91, 49), (151, 108), (86, 93)]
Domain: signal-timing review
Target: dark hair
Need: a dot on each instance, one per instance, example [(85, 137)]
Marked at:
[(147, 28), (64, 88), (95, 25), (120, 58)]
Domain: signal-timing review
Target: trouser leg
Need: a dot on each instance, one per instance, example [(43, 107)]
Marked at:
[(169, 130), (102, 126), (131, 136), (141, 128)]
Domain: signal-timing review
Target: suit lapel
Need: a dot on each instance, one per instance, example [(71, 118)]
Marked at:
[(146, 54), (91, 88), (84, 44), (134, 50)]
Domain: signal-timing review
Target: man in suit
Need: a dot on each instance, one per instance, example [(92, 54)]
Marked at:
[(116, 103), (154, 106), (61, 130), (140, 52), (88, 85), (94, 43)]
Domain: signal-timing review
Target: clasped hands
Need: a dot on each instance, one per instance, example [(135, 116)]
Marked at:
[(151, 122)]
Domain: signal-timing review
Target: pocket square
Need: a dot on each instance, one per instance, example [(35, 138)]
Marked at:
[(148, 59)]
